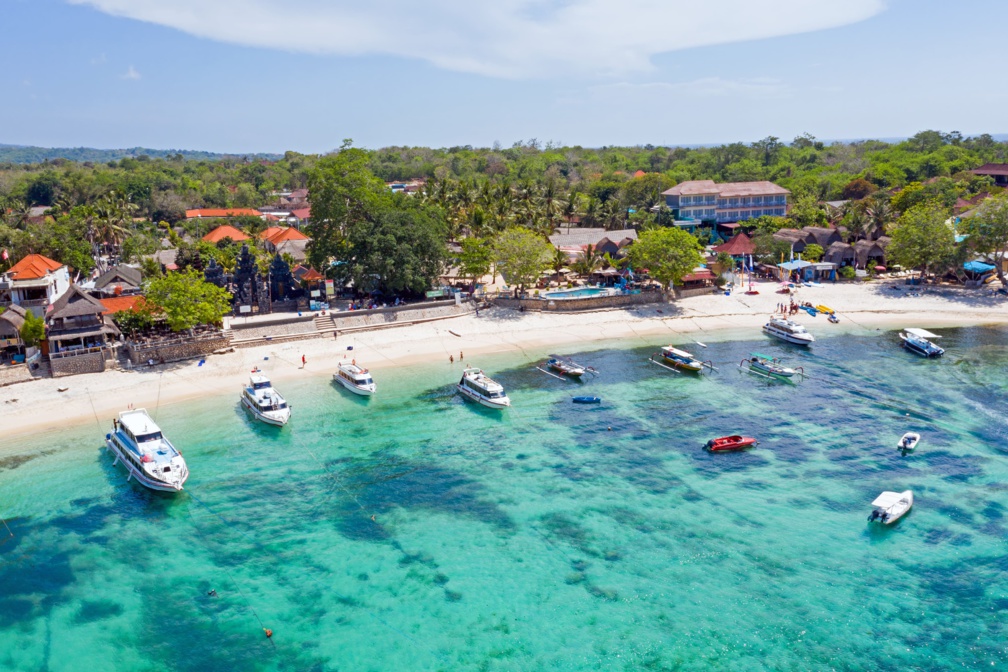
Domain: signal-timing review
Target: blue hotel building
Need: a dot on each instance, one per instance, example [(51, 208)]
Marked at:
[(708, 203)]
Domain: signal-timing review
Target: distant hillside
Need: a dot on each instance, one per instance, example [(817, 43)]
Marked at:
[(22, 154)]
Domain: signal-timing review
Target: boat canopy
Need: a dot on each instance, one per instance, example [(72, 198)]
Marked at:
[(887, 499), (759, 355), (923, 333)]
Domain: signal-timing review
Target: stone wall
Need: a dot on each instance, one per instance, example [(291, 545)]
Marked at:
[(382, 317), (287, 325), (72, 365), (585, 304), (15, 373), (175, 349), (681, 293)]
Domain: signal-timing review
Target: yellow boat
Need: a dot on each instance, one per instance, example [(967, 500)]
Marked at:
[(825, 309)]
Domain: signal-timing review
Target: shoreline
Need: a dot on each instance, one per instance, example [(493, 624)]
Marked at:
[(862, 308)]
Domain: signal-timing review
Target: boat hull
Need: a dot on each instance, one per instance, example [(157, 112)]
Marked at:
[(908, 441), (771, 371), (691, 367), (483, 401), (730, 444), (362, 391), (141, 477), (587, 400), (567, 371), (923, 352), (277, 420), (789, 338)]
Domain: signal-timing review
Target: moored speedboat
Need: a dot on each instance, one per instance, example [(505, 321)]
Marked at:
[(768, 366), (355, 378), (587, 400), (138, 443), (788, 330), (265, 403), (891, 506), (909, 441), (916, 341), (479, 387), (724, 444), (565, 367)]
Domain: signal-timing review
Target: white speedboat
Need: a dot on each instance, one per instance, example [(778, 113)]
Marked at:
[(891, 506), (355, 379), (788, 330), (916, 341), (909, 441), (138, 443), (479, 387), (265, 403)]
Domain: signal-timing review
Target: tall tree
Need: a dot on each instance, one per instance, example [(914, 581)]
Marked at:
[(187, 300), (668, 254), (921, 238), (988, 231), (521, 256)]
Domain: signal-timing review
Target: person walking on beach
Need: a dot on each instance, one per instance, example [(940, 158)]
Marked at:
[(460, 355), (451, 359), (303, 361)]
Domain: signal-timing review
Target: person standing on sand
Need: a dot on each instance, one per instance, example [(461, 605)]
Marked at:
[(303, 361), (451, 359)]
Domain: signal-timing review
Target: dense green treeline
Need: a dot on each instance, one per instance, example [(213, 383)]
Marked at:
[(162, 188), (29, 154)]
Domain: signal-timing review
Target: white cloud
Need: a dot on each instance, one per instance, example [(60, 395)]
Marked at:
[(502, 38), (131, 73)]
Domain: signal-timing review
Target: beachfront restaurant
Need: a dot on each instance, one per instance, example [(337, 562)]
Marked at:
[(808, 271)]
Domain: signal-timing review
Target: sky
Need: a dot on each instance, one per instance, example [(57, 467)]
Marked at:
[(243, 76)]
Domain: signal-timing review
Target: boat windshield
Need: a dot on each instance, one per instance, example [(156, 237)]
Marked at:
[(366, 381), (261, 386), (494, 395), (144, 438)]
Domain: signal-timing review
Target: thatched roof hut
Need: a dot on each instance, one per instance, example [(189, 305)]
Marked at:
[(840, 253)]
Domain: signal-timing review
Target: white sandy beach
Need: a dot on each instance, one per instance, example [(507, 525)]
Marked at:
[(862, 307)]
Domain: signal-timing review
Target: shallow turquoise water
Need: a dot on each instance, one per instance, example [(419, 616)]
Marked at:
[(552, 536)]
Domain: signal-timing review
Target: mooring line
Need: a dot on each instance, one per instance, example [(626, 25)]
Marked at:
[(93, 410), (269, 633)]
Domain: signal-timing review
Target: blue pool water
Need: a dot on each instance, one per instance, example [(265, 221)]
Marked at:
[(580, 293), (552, 536)]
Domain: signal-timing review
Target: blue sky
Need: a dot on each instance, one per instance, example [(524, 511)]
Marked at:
[(272, 75)]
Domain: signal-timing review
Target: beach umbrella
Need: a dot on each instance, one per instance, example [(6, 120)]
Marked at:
[(880, 268)]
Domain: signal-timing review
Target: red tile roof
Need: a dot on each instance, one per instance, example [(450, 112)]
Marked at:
[(33, 267), (312, 276), (222, 212), (118, 304), (738, 245), (226, 231), (289, 233), (302, 213), (699, 274), (269, 232), (639, 173)]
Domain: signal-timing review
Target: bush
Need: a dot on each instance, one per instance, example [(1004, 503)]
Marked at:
[(847, 272)]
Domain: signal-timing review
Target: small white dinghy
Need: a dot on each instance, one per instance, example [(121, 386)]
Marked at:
[(909, 441), (891, 506)]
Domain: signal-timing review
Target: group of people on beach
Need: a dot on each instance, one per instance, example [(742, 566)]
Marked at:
[(787, 309)]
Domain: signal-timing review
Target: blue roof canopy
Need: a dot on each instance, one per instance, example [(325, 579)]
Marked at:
[(978, 267), (795, 265)]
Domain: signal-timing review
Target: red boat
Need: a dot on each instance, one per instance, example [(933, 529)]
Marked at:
[(726, 444)]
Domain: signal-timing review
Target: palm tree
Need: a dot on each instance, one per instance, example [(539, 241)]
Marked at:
[(588, 261), (613, 215), (560, 260), (550, 205), (879, 213), (571, 207)]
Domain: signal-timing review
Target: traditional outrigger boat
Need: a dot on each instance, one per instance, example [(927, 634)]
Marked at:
[(735, 442), (891, 506), (909, 441), (675, 358), (565, 367), (771, 367)]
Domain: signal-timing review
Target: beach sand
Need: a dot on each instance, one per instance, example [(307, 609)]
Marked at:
[(862, 307)]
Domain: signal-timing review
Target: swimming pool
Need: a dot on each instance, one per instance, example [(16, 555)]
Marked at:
[(580, 293)]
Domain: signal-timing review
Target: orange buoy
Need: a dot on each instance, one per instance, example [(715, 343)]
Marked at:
[(269, 633)]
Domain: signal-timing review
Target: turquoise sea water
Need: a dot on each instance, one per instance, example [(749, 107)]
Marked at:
[(551, 536)]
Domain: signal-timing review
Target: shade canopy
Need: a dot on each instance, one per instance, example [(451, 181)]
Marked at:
[(923, 333), (795, 265), (978, 267)]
